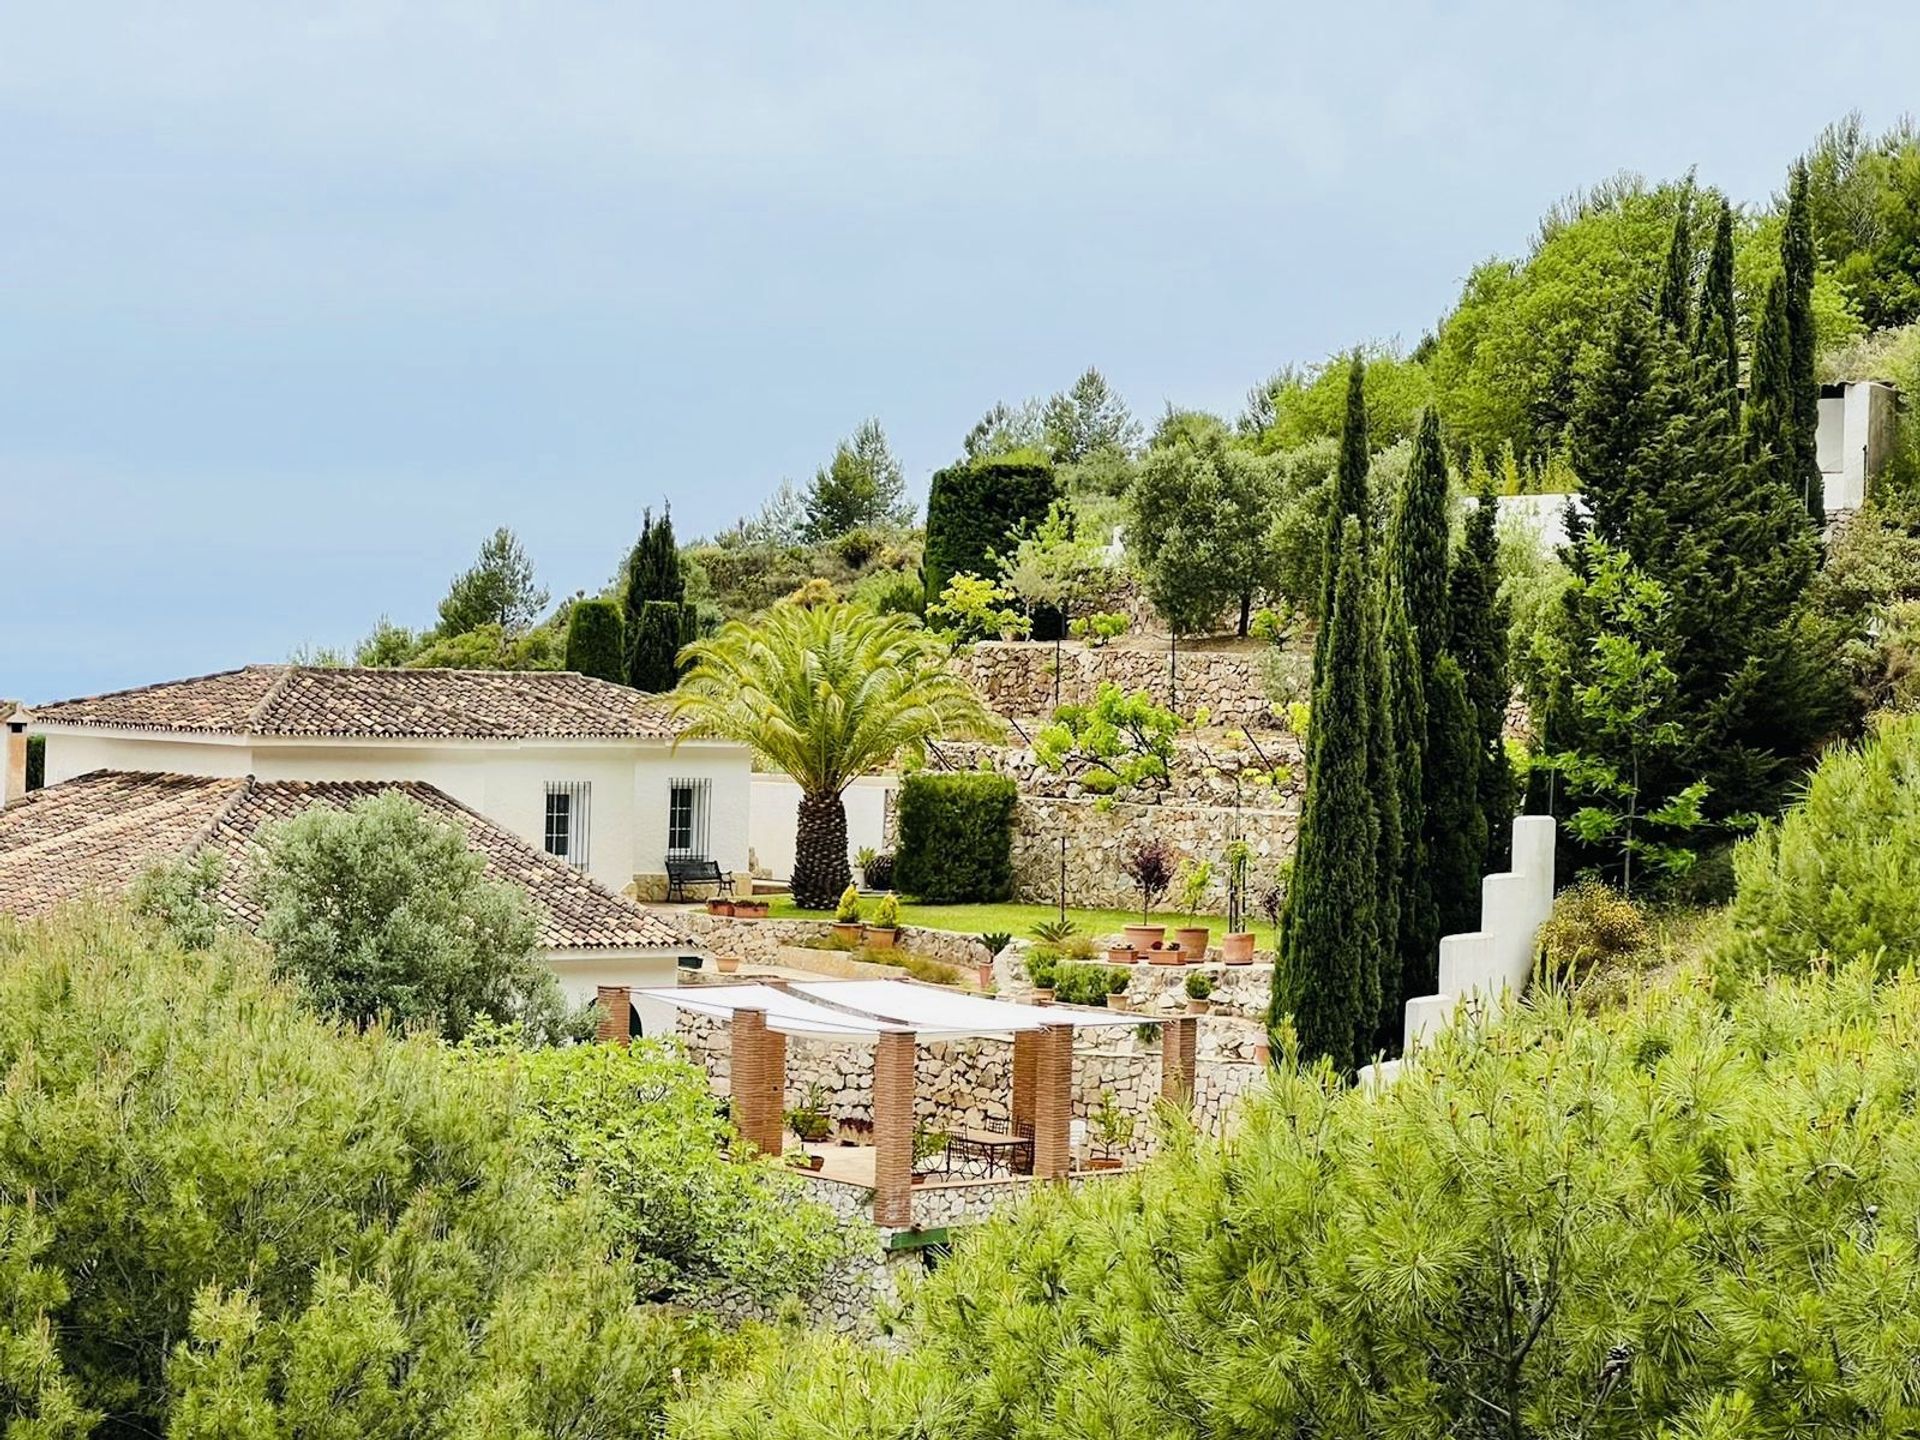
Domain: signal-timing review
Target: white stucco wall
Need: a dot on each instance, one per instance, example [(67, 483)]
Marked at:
[(583, 972), (71, 753), (776, 808)]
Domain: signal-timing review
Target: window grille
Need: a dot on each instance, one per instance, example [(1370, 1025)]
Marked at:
[(688, 804), (569, 806)]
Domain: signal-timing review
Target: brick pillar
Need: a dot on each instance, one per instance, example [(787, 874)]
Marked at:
[(1026, 1054), (758, 1086), (616, 1011), (1053, 1103), (1179, 1044), (893, 1062), (16, 777)]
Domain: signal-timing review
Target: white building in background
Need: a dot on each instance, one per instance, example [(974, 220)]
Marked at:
[(1856, 432), (592, 773)]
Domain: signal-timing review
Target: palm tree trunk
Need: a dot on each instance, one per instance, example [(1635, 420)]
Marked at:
[(820, 870)]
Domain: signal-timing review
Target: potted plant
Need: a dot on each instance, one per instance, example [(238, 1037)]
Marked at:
[(846, 919), (719, 905), (810, 1123), (1112, 1132), (1194, 878), (749, 909), (885, 928), (1199, 992), (726, 964), (1117, 989), (1043, 967), (1236, 946), (927, 1143), (1150, 866), (1122, 954)]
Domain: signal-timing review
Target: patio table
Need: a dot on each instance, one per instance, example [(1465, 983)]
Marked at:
[(983, 1152)]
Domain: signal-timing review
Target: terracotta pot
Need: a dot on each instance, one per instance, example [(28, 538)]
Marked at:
[(1043, 997), (879, 938), (1117, 1002), (726, 964), (1237, 947), (815, 1162), (1121, 955), (1262, 1053), (1166, 955), (1198, 1007), (749, 909), (850, 933), (1104, 1162), (985, 977), (1194, 939), (719, 907), (1145, 937)]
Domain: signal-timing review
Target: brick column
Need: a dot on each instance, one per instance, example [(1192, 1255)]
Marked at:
[(1053, 1103), (616, 1011), (1026, 1054), (893, 1061), (1179, 1045), (759, 1080)]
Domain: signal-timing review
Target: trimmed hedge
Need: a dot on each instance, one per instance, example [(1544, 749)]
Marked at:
[(956, 838), (597, 640), (973, 509)]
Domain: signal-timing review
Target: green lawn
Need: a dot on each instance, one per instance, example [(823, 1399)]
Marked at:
[(1016, 920)]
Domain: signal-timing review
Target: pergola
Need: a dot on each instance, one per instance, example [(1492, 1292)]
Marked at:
[(894, 1016)]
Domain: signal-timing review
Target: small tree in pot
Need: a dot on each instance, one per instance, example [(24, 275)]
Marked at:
[(1112, 1132), (1236, 946), (1149, 865)]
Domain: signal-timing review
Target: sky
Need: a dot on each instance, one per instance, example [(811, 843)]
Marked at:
[(299, 302)]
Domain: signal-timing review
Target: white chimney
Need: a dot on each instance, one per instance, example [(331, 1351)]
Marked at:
[(14, 783)]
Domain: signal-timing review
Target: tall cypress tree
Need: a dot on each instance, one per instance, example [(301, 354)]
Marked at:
[(596, 641), (1479, 643), (1803, 394), (1676, 281), (1419, 542), (653, 576), (1349, 497), (1456, 820), (1716, 337), (1331, 937), (1383, 779), (1406, 900), (654, 648), (1769, 419)]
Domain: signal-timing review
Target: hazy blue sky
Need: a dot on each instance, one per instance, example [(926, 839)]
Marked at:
[(294, 312)]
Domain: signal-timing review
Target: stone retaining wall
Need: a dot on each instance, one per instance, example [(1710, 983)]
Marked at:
[(759, 942), (1016, 678), (1100, 835)]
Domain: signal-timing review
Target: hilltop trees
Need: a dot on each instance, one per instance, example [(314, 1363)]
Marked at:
[(1198, 512), (976, 508), (654, 594), (498, 589), (862, 484)]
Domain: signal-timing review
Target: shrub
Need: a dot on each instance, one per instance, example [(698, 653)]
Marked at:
[(918, 967), (1593, 928), (974, 508), (886, 915), (848, 911), (956, 838), (1839, 873), (241, 1219), (995, 941), (1100, 627), (1199, 986), (1055, 931), (1043, 968), (597, 640), (1087, 984)]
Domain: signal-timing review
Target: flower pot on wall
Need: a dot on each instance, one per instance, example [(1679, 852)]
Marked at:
[(1117, 1001), (849, 934), (1043, 997), (1199, 1007), (719, 907), (1145, 937), (1194, 939), (1121, 955), (1164, 954), (1104, 1162), (726, 964), (880, 938), (1237, 948), (749, 909)]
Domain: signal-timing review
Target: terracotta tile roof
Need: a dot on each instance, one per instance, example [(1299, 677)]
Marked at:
[(96, 833), (309, 700)]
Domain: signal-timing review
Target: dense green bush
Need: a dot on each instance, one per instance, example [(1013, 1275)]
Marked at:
[(221, 1216), (597, 640), (974, 508), (1593, 928), (1680, 1219), (1839, 874), (956, 838)]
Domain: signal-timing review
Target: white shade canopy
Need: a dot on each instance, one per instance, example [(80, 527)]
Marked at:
[(939, 1010), (786, 1012)]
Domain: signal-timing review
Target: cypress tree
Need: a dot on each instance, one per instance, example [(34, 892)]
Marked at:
[(1331, 938), (1676, 281), (1383, 781), (1456, 821), (1803, 394), (1479, 643), (1769, 443), (654, 648), (1419, 542), (1406, 900), (1716, 339), (1349, 497), (596, 641), (653, 575)]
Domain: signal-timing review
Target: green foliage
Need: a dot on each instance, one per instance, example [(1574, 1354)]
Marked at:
[(972, 609), (862, 485), (1198, 515), (383, 912), (36, 761), (1053, 572), (498, 589), (1310, 405), (1479, 622), (654, 590), (1330, 937), (1867, 594), (1593, 928), (886, 915), (1112, 1125), (654, 647), (1119, 742), (1100, 627), (1797, 265), (1678, 1218), (596, 640), (1054, 931), (241, 1220), (975, 508), (1864, 207), (890, 592), (994, 941), (826, 694), (1086, 420), (488, 647), (1199, 986), (1839, 874), (1088, 984), (1716, 333), (1191, 882), (848, 910), (956, 837), (1456, 822), (183, 897), (1043, 967)]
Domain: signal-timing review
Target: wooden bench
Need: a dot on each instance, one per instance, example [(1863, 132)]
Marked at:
[(682, 873)]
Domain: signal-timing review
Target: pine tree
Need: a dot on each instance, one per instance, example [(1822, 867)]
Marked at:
[(1716, 338), (1479, 643), (863, 484), (1676, 281), (1349, 497), (1331, 938), (1456, 847), (1803, 395), (653, 576), (596, 641), (654, 647)]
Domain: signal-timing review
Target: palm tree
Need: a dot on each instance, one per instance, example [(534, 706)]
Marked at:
[(826, 693)]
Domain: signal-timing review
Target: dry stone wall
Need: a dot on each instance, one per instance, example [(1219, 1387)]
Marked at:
[(1016, 678)]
